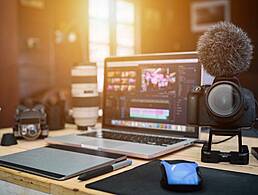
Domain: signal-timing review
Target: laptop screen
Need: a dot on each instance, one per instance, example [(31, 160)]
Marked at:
[(150, 91)]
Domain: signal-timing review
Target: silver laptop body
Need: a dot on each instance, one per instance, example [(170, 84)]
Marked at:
[(143, 95)]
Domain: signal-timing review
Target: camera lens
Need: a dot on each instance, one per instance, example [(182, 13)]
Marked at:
[(85, 95), (30, 131), (224, 100)]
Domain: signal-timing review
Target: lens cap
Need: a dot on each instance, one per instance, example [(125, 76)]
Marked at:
[(8, 139)]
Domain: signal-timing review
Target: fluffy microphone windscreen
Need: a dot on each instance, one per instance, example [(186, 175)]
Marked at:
[(225, 50)]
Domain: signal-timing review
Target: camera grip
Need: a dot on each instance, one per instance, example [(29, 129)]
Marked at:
[(192, 108)]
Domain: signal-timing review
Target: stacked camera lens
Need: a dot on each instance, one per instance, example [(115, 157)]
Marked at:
[(84, 91)]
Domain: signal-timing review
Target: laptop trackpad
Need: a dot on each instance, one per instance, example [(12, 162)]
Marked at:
[(102, 142), (139, 148)]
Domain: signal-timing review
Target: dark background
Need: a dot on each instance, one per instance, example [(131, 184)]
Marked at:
[(24, 72)]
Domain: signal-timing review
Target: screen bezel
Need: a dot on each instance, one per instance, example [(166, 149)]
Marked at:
[(159, 56)]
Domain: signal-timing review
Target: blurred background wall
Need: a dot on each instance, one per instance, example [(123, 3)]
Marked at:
[(9, 81)]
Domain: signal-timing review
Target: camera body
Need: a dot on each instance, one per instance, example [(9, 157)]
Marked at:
[(222, 105), (30, 123)]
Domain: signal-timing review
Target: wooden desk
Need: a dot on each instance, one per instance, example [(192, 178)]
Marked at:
[(73, 186)]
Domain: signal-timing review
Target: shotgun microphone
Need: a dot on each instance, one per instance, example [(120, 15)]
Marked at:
[(225, 50)]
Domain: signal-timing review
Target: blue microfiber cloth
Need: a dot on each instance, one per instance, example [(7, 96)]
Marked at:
[(180, 175)]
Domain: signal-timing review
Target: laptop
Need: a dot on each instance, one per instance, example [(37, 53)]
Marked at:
[(144, 106)]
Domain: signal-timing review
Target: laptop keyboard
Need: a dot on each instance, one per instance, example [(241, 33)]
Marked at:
[(152, 140)]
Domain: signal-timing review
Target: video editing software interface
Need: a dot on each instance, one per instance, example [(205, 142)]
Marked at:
[(150, 94)]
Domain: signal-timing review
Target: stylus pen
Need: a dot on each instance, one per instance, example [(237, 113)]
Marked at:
[(103, 170)]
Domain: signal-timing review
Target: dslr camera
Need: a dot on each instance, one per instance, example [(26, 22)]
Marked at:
[(222, 105), (30, 123)]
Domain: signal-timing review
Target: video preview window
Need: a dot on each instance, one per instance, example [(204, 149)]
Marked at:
[(157, 79)]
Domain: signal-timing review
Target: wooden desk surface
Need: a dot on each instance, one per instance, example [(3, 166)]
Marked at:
[(73, 186)]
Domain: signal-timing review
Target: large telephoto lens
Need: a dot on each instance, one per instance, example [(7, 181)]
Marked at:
[(224, 99), (85, 95)]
